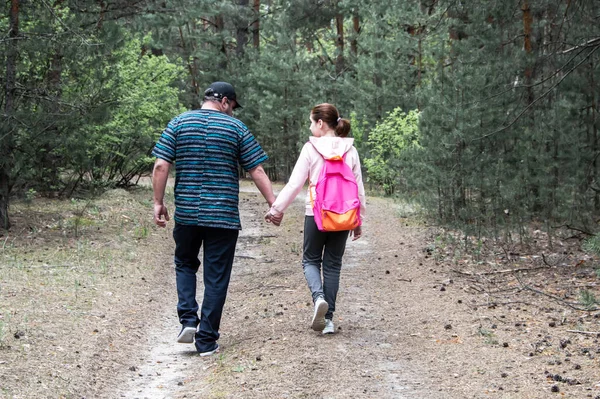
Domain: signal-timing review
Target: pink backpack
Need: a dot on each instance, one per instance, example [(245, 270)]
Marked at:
[(337, 207)]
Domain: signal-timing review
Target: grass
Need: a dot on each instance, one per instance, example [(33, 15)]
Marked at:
[(489, 336), (588, 299), (3, 328), (295, 248), (65, 267)]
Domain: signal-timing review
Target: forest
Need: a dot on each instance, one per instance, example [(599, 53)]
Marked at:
[(484, 115)]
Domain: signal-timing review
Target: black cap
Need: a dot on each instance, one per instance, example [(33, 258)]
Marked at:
[(219, 90)]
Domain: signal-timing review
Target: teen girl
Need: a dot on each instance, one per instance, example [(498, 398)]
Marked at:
[(323, 251)]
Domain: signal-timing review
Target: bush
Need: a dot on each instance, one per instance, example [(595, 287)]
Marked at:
[(389, 141)]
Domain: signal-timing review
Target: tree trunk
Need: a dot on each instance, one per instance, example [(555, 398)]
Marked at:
[(6, 141), (241, 30), (377, 79), (594, 121), (256, 25), (219, 27), (103, 7), (417, 30), (528, 76), (193, 71), (356, 29), (339, 62), (11, 57), (47, 157), (527, 23)]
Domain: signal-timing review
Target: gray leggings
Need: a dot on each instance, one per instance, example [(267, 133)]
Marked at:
[(327, 249)]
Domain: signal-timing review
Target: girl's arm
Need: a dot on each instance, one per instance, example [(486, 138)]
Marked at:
[(359, 181), (294, 185)]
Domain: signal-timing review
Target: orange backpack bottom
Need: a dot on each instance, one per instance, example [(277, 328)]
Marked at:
[(340, 221)]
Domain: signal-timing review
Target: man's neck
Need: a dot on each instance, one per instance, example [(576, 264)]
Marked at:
[(211, 106)]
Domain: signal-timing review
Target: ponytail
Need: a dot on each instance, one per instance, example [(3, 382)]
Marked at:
[(342, 128)]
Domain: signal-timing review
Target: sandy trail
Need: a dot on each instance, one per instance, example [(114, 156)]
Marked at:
[(268, 350)]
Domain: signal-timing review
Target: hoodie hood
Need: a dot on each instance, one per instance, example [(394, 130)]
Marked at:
[(332, 147)]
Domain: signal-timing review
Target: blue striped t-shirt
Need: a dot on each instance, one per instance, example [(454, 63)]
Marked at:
[(206, 147)]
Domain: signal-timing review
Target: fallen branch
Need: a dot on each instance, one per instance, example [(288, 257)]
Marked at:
[(268, 287), (545, 262), (562, 301), (585, 332), (505, 271), (474, 288), (523, 269), (492, 304), (45, 266)]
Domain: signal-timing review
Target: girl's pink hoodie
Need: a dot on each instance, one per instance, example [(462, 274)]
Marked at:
[(309, 166)]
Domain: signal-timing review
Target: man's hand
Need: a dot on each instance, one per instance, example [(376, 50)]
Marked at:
[(160, 175), (270, 218), (161, 215), (357, 233)]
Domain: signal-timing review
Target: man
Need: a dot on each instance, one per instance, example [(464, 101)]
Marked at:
[(206, 146)]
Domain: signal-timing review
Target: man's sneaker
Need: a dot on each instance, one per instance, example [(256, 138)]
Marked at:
[(216, 350), (186, 335), (318, 320), (329, 328)]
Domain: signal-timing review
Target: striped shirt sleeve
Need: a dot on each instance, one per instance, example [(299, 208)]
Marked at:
[(251, 153), (165, 146)]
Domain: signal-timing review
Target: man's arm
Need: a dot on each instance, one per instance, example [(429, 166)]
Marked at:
[(263, 183), (160, 175)]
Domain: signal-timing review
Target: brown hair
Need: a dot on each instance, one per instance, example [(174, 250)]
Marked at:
[(330, 115)]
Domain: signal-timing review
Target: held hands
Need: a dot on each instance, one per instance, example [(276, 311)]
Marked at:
[(357, 232), (161, 215), (270, 218)]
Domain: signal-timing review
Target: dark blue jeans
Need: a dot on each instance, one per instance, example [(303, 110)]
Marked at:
[(323, 251), (219, 251)]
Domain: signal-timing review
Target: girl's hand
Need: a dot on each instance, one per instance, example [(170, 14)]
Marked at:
[(270, 218), (357, 233)]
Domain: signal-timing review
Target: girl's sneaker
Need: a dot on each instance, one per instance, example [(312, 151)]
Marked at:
[(318, 321), (329, 328)]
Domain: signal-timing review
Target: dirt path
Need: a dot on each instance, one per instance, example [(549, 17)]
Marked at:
[(91, 313), (268, 349), (405, 328)]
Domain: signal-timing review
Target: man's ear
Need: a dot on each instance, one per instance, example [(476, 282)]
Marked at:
[(224, 101)]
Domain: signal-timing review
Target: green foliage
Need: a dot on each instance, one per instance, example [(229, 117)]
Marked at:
[(142, 102), (490, 337), (592, 245), (360, 129), (388, 142), (30, 196), (500, 134), (588, 300), (3, 332), (502, 138), (91, 106)]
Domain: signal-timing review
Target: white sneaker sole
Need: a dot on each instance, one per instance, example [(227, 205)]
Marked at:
[(186, 336), (318, 321), (212, 352)]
